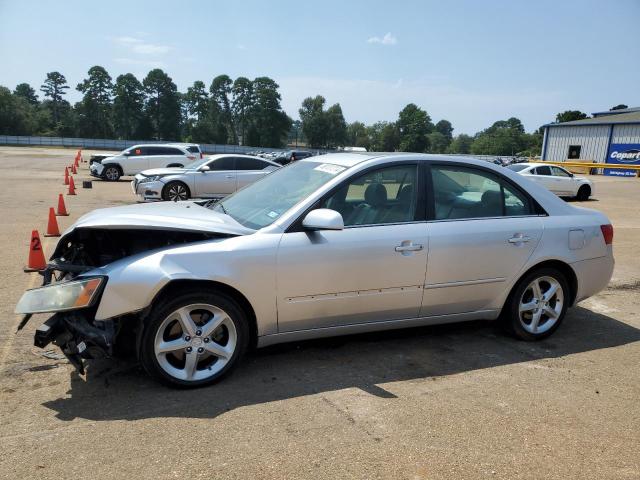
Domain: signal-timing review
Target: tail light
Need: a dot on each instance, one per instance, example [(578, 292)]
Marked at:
[(607, 233), (201, 156), (191, 157)]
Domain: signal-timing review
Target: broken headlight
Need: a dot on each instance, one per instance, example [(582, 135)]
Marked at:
[(60, 297)]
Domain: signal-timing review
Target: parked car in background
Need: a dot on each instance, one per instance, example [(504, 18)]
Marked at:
[(142, 157), (332, 245), (212, 177), (193, 148), (558, 180), (292, 156)]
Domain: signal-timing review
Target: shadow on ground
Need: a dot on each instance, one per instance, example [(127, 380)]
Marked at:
[(122, 391)]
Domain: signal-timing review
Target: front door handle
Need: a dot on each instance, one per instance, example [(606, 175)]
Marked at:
[(228, 176), (519, 238), (408, 246)]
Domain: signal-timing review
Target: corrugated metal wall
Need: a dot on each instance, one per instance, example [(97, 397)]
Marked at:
[(626, 134), (593, 140)]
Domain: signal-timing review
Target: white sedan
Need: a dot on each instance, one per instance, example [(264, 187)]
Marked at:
[(211, 177), (558, 180)]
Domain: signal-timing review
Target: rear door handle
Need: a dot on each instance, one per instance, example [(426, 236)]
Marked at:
[(229, 176), (519, 238), (408, 246)]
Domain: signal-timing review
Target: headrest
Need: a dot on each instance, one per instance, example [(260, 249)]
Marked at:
[(376, 195)]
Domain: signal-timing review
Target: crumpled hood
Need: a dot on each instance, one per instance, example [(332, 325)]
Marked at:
[(184, 216), (163, 171)]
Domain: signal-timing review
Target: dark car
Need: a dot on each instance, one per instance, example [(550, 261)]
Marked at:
[(293, 155)]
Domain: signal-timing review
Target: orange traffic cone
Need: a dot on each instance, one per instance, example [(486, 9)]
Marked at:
[(62, 209), (72, 187), (52, 226), (74, 169), (66, 176), (36, 255)]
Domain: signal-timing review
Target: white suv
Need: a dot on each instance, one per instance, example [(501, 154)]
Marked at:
[(142, 157)]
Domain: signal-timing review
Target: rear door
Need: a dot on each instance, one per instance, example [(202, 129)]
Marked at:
[(542, 175), (162, 156), (482, 231), (219, 180), (248, 170)]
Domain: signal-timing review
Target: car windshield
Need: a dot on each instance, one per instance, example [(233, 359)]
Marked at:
[(517, 168), (196, 164), (263, 202)]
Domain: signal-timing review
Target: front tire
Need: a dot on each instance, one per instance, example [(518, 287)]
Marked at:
[(584, 192), (194, 340), (111, 174), (175, 191), (537, 305)]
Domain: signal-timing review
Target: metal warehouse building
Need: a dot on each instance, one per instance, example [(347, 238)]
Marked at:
[(608, 137)]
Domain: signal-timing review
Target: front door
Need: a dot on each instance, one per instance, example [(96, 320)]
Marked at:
[(371, 271), (137, 161), (219, 180), (483, 233)]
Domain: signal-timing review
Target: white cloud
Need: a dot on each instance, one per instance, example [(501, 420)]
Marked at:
[(388, 39), (141, 47)]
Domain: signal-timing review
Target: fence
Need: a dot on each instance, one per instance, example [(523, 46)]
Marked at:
[(107, 144)]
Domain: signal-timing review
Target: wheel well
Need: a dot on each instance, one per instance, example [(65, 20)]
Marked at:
[(567, 271), (176, 287)]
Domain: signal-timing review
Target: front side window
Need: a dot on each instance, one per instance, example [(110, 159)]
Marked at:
[(463, 193), (559, 172), (224, 163), (388, 195)]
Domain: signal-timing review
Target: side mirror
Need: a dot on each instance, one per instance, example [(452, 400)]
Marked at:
[(323, 219), (204, 168), (127, 154)]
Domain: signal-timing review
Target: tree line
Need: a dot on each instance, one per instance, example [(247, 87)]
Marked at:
[(240, 112)]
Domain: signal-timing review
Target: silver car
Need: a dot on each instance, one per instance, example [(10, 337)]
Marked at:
[(332, 245), (211, 177), (558, 180)]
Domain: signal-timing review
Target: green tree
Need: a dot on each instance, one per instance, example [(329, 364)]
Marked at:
[(220, 92), (128, 108), (461, 144), (357, 135), (197, 100), (314, 121), (25, 91), (504, 137), (438, 142), (384, 137), (445, 128), (270, 122), (54, 88), (16, 114), (242, 105), (570, 116), (162, 105), (414, 124), (94, 111), (336, 126)]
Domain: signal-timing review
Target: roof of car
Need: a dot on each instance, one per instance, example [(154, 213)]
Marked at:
[(157, 145), (350, 159)]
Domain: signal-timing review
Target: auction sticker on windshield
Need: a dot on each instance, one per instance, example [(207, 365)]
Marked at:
[(329, 168)]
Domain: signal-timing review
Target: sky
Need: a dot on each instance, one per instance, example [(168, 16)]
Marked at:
[(470, 62)]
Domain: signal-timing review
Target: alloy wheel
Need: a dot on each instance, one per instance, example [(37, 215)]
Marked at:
[(541, 305), (195, 342), (112, 174), (177, 192)]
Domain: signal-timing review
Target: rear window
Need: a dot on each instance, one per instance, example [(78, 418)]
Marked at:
[(250, 164)]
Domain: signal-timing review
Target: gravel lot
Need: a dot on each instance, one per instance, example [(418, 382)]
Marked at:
[(456, 401)]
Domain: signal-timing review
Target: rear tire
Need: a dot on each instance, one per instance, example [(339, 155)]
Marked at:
[(111, 174), (584, 192), (194, 339), (537, 304), (176, 191)]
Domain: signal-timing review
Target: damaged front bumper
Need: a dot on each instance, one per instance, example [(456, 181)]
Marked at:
[(79, 337)]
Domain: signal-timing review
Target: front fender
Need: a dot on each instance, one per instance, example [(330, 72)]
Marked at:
[(245, 263)]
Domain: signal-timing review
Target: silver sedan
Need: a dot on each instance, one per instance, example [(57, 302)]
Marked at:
[(212, 177), (332, 245)]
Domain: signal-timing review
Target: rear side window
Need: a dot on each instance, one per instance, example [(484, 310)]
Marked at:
[(193, 149), (163, 151), (224, 163), (464, 193), (543, 170), (250, 164)]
